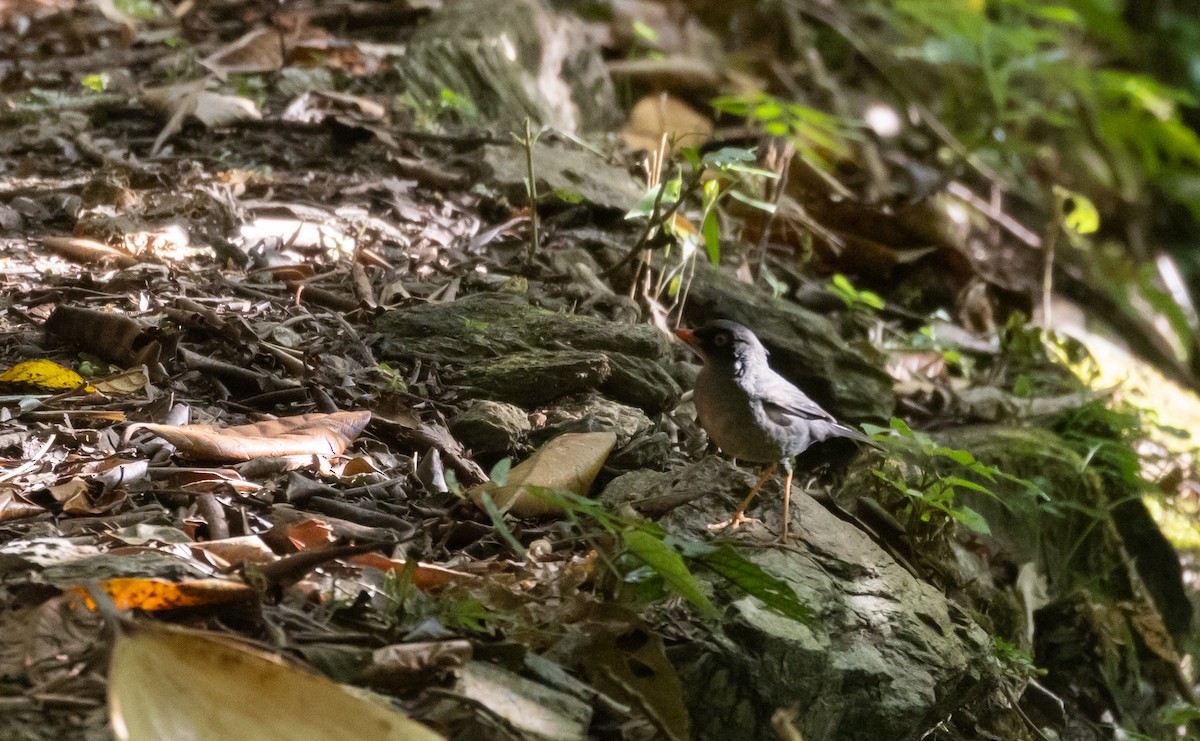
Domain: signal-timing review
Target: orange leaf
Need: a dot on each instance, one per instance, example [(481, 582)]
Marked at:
[(312, 533), (158, 594), (427, 577)]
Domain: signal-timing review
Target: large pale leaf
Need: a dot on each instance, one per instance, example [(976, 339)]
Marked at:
[(170, 683), (569, 462)]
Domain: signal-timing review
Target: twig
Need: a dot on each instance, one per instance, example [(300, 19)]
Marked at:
[(214, 514), (1003, 220), (1048, 247), (785, 169), (535, 239)]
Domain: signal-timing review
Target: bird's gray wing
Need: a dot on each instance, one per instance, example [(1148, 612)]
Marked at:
[(784, 404)]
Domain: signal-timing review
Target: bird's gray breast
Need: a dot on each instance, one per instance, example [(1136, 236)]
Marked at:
[(736, 421)]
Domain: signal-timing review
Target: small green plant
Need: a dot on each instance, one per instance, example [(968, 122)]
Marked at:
[(930, 475), (1014, 662), (96, 83), (1034, 362), (395, 382), (452, 101), (817, 135), (251, 87), (927, 338), (407, 606), (646, 561), (142, 9), (1106, 435), (855, 299), (430, 113), (702, 178)]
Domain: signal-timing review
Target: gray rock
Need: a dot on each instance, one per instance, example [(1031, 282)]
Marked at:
[(533, 377), (594, 414), (563, 169), (639, 445), (509, 350), (491, 427), (651, 451), (489, 325), (531, 709), (887, 656), (642, 382), (513, 60)]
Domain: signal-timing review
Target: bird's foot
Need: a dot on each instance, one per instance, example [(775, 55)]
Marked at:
[(733, 523)]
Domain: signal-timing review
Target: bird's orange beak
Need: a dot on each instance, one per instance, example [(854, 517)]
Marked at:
[(690, 338)]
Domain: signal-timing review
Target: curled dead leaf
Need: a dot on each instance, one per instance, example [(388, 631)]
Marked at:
[(305, 434), (112, 336), (655, 116), (426, 577)]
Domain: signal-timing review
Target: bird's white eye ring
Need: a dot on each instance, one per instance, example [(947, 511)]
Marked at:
[(721, 340)]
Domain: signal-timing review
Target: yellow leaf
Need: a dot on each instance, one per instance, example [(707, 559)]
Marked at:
[(44, 373)]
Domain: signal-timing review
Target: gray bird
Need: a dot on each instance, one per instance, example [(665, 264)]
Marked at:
[(753, 413)]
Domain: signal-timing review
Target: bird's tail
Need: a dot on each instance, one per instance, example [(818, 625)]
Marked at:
[(853, 434)]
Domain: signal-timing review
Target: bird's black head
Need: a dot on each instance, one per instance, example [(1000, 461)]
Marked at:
[(726, 343)]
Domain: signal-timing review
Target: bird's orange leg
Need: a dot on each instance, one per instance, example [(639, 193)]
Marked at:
[(740, 516), (787, 504)]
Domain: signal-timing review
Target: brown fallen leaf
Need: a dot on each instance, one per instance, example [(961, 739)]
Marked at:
[(305, 434), (13, 506), (123, 383), (259, 50), (214, 110), (242, 549), (84, 250), (569, 462), (405, 665), (656, 116)]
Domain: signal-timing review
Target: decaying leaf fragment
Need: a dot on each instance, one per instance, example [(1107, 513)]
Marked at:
[(305, 434), (214, 110), (170, 683), (569, 462)]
